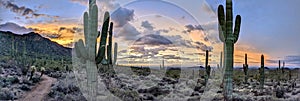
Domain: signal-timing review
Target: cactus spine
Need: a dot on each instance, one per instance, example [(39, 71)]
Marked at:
[(245, 67), (229, 38), (262, 72)]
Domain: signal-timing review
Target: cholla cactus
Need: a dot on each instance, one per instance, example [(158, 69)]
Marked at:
[(245, 67), (229, 37), (262, 73)]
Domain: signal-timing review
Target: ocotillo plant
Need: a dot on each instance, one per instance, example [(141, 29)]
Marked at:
[(87, 50), (115, 53), (262, 72), (229, 38), (245, 67)]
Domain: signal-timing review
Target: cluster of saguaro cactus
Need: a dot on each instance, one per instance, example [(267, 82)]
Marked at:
[(245, 67), (229, 38), (91, 35), (86, 51), (262, 72)]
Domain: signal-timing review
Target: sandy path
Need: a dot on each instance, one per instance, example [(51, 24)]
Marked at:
[(40, 90)]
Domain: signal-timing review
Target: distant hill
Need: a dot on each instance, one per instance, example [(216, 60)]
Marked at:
[(31, 46)]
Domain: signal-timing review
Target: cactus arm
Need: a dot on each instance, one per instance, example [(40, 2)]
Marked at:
[(237, 28), (86, 25), (109, 55), (103, 38), (221, 19), (80, 49)]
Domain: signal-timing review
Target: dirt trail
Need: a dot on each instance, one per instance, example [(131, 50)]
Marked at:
[(40, 90)]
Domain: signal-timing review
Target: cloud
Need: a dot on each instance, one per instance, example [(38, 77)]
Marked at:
[(295, 60), (122, 16), (127, 32), (203, 47), (23, 11), (190, 28), (147, 25), (153, 39), (15, 28), (175, 57)]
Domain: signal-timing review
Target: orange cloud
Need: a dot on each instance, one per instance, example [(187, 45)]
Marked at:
[(61, 33)]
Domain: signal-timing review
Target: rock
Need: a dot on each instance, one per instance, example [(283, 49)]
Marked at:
[(25, 87), (6, 94)]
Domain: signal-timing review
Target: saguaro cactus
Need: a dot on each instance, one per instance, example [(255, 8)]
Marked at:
[(262, 72), (282, 68), (86, 51), (245, 67), (115, 53), (279, 65), (207, 67), (229, 38)]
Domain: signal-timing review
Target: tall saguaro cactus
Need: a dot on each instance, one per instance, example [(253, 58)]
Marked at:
[(115, 53), (229, 37), (262, 72), (207, 67), (245, 67), (86, 50)]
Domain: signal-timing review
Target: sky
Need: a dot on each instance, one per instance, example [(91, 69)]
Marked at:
[(175, 31)]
